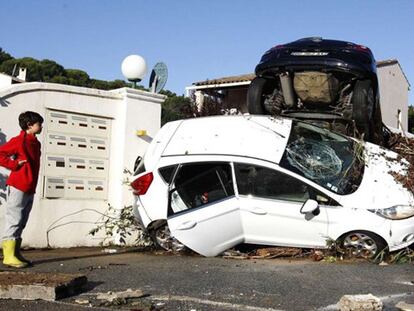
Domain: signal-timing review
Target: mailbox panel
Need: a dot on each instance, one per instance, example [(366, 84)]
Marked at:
[(58, 122), (77, 166), (76, 188), (76, 159), (99, 127), (98, 168), (54, 187), (97, 189), (57, 143), (80, 124), (99, 147), (78, 145), (55, 165)]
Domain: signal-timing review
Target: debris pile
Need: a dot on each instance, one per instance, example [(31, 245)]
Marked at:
[(404, 146), (264, 253), (360, 302)]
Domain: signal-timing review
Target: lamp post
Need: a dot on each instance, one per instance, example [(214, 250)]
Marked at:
[(134, 68)]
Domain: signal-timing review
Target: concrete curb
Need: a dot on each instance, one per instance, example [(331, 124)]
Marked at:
[(45, 286)]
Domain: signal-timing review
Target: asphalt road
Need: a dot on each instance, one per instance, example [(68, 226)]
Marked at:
[(173, 282)]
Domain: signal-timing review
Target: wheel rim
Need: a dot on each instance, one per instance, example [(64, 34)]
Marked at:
[(166, 241), (360, 245)]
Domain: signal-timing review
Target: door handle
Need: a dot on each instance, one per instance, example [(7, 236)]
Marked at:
[(187, 225), (257, 211)]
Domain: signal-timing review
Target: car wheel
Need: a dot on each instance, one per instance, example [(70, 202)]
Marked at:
[(161, 236), (363, 107), (256, 94), (363, 244)]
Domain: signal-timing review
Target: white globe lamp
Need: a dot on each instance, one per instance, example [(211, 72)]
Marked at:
[(134, 68)]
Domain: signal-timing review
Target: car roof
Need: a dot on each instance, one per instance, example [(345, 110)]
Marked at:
[(261, 137), (318, 42)]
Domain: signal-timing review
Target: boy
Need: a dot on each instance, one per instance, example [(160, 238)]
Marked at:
[(21, 155)]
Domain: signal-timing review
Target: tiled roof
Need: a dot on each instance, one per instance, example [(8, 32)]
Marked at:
[(224, 80), (386, 62)]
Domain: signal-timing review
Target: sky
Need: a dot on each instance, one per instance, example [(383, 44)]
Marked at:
[(198, 40)]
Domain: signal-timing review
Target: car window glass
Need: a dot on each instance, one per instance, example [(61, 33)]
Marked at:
[(167, 173), (198, 184), (267, 183), (328, 159), (140, 167)]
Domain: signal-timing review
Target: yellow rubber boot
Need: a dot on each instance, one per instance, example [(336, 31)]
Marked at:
[(9, 258), (18, 254)]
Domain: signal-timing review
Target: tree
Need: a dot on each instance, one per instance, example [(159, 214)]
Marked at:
[(4, 56), (176, 107), (77, 77), (34, 69), (50, 69), (411, 119)]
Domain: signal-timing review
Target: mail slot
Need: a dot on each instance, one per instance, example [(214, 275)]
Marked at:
[(54, 187)]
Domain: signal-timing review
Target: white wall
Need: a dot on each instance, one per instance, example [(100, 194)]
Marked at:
[(393, 88), (128, 109)]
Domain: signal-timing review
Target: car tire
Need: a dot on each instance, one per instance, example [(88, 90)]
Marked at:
[(363, 244), (255, 96), (363, 103), (377, 127), (162, 239)]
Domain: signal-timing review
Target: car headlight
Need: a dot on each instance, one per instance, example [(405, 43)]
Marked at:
[(396, 212)]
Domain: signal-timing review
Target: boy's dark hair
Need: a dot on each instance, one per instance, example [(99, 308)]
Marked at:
[(29, 118)]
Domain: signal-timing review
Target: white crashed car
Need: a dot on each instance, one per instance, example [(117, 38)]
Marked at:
[(212, 183)]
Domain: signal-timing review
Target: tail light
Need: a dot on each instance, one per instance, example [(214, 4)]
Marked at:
[(361, 48), (277, 47), (141, 184)]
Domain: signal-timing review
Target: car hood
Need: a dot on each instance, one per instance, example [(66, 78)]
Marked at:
[(379, 188)]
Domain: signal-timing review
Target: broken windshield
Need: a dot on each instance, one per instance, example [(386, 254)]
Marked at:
[(333, 161)]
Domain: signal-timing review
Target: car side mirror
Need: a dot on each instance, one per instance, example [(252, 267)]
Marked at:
[(310, 206)]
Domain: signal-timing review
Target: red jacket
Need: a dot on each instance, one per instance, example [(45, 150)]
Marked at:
[(22, 147)]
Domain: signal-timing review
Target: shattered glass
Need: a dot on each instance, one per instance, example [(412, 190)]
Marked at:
[(333, 161), (314, 159)]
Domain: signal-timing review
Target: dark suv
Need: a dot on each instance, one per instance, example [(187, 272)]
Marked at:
[(328, 82)]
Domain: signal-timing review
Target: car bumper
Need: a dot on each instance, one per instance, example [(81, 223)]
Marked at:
[(402, 234), (140, 213), (315, 63)]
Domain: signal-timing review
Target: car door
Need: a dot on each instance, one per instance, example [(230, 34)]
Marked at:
[(203, 210), (270, 203)]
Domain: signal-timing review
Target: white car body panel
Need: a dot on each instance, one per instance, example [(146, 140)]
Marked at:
[(261, 140), (231, 136), (266, 221), (194, 227)]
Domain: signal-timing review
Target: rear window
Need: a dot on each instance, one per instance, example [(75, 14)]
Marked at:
[(140, 167), (200, 184), (167, 173)]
